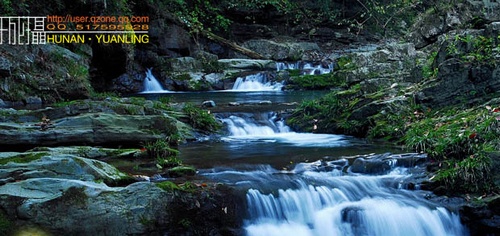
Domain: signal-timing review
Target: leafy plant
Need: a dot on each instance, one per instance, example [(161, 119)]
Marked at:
[(164, 155), (201, 119), (428, 70), (473, 174)]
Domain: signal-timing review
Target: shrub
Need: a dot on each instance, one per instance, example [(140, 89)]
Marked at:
[(201, 119)]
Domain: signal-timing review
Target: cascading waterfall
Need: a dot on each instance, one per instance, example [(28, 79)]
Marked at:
[(306, 68), (347, 205), (151, 84), (267, 127), (256, 82), (261, 82), (328, 199)]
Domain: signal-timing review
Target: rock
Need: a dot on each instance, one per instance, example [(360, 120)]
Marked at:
[(5, 66), (370, 166), (209, 103), (33, 100), (181, 171), (280, 51), (459, 83), (205, 56), (383, 163), (128, 83), (75, 207), (185, 64), (90, 129), (321, 166), (480, 220), (29, 165), (494, 205), (248, 64), (3, 104), (176, 43)]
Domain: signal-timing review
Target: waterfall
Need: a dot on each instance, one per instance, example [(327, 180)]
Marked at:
[(256, 82), (306, 68), (347, 205), (151, 84), (268, 127)]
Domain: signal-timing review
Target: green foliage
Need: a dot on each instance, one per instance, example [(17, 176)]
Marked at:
[(164, 155), (104, 95), (329, 113), (472, 174), (345, 63), (428, 70), (389, 127), (201, 119), (171, 186), (453, 135), (6, 8), (164, 99), (472, 49), (198, 15), (383, 16)]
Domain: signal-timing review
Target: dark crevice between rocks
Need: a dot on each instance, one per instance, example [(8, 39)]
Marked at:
[(108, 62)]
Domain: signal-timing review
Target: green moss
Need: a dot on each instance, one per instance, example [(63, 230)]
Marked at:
[(23, 158), (168, 186), (294, 73), (180, 171)]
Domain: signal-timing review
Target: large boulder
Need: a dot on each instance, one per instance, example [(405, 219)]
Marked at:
[(457, 83), (76, 207), (280, 51), (49, 71), (248, 64), (91, 129), (20, 166), (65, 194)]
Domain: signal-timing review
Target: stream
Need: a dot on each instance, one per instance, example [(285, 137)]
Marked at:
[(310, 183)]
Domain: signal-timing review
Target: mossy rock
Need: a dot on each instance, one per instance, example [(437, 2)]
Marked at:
[(180, 171), (21, 157)]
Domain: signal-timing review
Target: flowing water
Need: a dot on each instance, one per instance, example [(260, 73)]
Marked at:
[(304, 183), (151, 84)]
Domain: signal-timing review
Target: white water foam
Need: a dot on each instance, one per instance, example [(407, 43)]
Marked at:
[(358, 205), (273, 130), (256, 82)]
